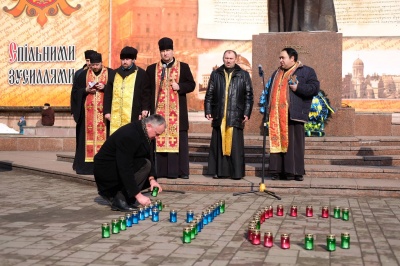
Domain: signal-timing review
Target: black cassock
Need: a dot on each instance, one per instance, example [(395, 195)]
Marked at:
[(175, 164), (78, 98)]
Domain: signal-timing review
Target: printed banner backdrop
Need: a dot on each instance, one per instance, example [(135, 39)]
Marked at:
[(42, 45), (370, 28)]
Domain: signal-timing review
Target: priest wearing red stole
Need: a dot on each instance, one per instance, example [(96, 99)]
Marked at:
[(88, 98), (170, 81)]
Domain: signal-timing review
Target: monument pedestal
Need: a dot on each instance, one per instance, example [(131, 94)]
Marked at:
[(319, 50)]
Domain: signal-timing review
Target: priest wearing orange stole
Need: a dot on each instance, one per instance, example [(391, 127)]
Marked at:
[(293, 86), (170, 81), (88, 98)]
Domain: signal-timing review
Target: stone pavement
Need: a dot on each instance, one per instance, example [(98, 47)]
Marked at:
[(46, 221)]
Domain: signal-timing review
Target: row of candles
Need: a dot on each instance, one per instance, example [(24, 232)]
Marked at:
[(152, 210), (337, 212), (254, 234), (196, 224)]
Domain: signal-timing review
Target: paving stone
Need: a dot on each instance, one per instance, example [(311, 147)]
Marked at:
[(59, 223)]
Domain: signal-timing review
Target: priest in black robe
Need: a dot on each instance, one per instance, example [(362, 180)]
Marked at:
[(228, 104), (87, 106), (170, 81)]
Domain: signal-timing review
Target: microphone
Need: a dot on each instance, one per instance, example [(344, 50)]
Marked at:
[(260, 70), (164, 66)]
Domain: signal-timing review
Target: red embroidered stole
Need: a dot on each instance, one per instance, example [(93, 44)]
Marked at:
[(279, 111), (168, 107), (95, 128)]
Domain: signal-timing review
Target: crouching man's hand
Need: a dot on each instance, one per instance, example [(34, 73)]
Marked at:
[(142, 199), (154, 183)]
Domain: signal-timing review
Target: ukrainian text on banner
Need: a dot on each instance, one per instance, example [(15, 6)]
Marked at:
[(231, 19)]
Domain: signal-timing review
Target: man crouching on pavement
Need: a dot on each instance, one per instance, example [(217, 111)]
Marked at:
[(123, 166)]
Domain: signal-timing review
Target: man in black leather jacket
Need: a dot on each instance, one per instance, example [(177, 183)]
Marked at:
[(228, 104)]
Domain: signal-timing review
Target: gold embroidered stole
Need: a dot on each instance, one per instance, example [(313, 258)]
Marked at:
[(168, 107), (122, 101), (279, 111), (226, 131), (95, 129)]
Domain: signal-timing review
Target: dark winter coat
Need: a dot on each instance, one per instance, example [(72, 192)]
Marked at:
[(240, 98), (300, 100)]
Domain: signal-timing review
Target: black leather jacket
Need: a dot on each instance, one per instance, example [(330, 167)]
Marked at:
[(240, 99)]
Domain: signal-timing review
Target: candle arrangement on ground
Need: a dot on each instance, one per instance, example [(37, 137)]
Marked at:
[(194, 223), (254, 227)]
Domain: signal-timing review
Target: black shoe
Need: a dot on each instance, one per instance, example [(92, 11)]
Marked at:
[(184, 176), (275, 177), (215, 176), (119, 203), (298, 178), (106, 198), (289, 176), (236, 178)]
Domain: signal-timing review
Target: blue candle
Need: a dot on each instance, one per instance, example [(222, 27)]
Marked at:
[(205, 218), (141, 214), (146, 211), (189, 216), (128, 218), (155, 217), (135, 217), (173, 216)]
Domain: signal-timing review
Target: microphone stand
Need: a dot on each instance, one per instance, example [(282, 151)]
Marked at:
[(155, 140), (262, 187)]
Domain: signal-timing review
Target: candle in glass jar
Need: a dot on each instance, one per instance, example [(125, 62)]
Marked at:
[(325, 212), (256, 237), (285, 241), (309, 211), (293, 211), (331, 243), (268, 239), (266, 213), (279, 210)]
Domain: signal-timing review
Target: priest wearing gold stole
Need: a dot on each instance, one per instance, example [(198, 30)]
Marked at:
[(293, 86), (228, 104), (170, 81), (88, 98), (129, 92)]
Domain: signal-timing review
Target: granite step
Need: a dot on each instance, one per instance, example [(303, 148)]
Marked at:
[(317, 170), (379, 160), (315, 150)]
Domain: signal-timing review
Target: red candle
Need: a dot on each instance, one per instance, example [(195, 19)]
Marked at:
[(271, 211), (309, 211), (325, 212), (250, 233), (279, 210), (285, 241), (256, 237), (293, 211), (266, 213), (268, 240), (262, 217)]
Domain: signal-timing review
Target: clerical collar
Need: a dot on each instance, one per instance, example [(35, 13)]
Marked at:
[(170, 63)]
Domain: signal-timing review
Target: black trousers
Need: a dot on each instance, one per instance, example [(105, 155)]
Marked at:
[(111, 187)]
